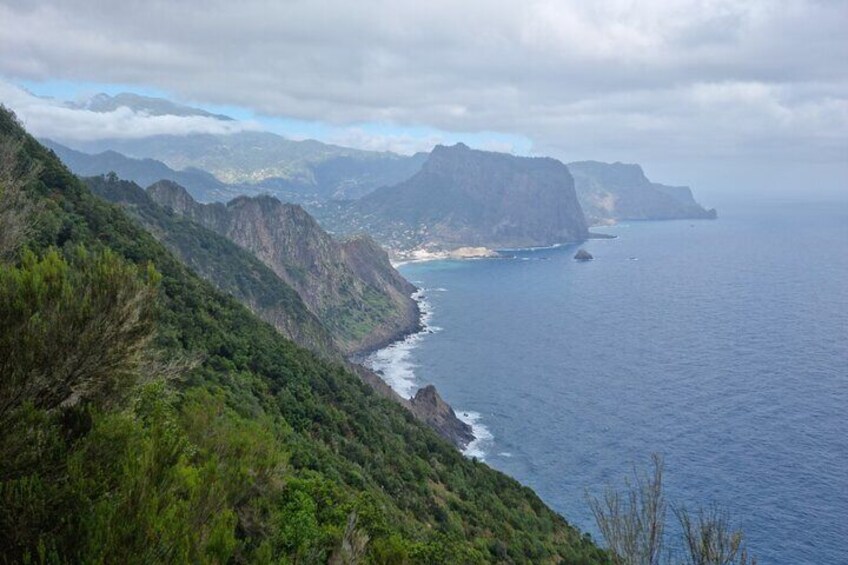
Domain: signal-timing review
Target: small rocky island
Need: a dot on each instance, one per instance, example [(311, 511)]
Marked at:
[(583, 255)]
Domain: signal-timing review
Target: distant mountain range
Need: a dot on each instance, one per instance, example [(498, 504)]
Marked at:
[(609, 192), (271, 162), (143, 104), (203, 186), (450, 198)]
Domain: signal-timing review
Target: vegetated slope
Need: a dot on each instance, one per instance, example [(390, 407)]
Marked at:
[(226, 265), (237, 272), (618, 191), (272, 162), (256, 451), (464, 197), (202, 185), (350, 285)]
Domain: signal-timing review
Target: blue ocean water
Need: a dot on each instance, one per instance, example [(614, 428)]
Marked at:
[(722, 345)]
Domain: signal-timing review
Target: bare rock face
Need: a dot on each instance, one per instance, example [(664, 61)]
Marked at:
[(429, 407), (468, 198), (350, 286)]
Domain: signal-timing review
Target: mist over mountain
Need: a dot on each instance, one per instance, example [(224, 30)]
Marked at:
[(616, 191), (149, 105)]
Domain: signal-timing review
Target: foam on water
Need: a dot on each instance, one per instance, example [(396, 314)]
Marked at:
[(483, 438), (395, 365)]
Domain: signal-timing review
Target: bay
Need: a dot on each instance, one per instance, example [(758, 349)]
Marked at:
[(722, 345)]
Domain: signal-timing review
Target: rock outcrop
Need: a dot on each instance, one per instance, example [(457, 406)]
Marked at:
[(349, 285), (223, 263), (609, 192), (429, 407), (583, 255), (467, 198)]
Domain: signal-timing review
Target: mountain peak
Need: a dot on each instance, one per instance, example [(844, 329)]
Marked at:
[(465, 197), (149, 105)]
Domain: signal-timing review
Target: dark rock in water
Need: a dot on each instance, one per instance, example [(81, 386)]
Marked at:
[(429, 407), (583, 255)]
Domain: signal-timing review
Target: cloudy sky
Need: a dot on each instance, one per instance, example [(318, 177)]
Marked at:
[(723, 94)]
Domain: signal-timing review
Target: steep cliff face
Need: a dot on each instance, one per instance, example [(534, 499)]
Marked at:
[(350, 286), (616, 191), (223, 263), (463, 197), (429, 407)]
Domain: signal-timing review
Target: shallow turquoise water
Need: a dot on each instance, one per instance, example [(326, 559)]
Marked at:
[(722, 345)]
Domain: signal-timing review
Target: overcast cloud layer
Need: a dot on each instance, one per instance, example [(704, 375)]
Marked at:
[(707, 80)]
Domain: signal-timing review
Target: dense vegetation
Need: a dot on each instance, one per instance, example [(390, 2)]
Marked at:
[(147, 417), (222, 262)]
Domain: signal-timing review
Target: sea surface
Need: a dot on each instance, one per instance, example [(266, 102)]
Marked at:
[(722, 345)]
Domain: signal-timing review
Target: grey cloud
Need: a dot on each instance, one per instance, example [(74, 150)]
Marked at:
[(45, 117), (621, 79)]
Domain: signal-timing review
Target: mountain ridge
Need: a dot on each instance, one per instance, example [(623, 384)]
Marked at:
[(464, 197), (236, 271), (350, 285), (609, 192)]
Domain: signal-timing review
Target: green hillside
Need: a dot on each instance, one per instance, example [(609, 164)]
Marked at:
[(220, 261), (147, 417)]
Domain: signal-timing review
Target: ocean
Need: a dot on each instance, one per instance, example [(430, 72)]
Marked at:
[(722, 345)]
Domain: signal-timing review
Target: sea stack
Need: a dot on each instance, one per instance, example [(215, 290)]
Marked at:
[(583, 255), (429, 407)]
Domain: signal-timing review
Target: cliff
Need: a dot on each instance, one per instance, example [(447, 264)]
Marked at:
[(226, 265), (237, 272), (208, 436), (463, 197), (616, 191), (350, 286)]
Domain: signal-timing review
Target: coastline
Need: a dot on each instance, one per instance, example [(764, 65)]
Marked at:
[(392, 364), (420, 255)]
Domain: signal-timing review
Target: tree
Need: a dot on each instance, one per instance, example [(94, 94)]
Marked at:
[(709, 539), (15, 208), (632, 522), (72, 331)]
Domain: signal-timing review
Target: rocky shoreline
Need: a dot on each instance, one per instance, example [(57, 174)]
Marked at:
[(426, 404)]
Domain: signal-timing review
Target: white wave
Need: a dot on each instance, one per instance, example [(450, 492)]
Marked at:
[(394, 365), (505, 454), (483, 438)]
